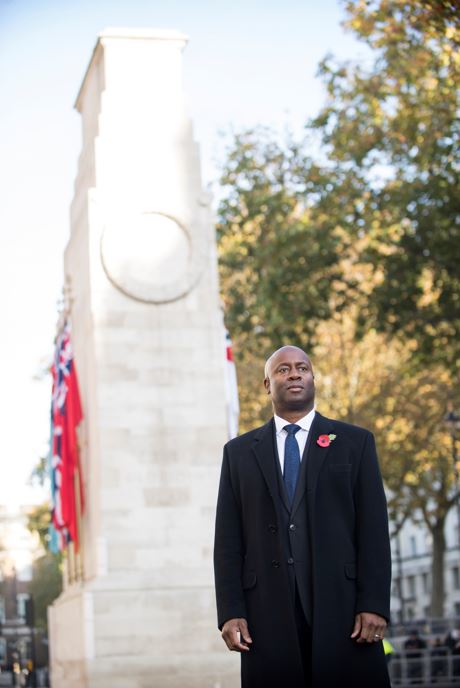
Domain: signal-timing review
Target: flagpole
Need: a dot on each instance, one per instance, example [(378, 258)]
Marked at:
[(80, 553), (71, 562)]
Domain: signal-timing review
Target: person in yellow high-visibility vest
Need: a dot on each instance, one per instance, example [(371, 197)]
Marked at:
[(388, 649)]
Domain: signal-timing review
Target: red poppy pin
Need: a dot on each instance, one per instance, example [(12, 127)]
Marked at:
[(325, 440)]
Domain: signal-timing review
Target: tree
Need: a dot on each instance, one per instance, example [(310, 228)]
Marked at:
[(46, 583), (38, 521), (45, 586), (392, 129), (268, 243)]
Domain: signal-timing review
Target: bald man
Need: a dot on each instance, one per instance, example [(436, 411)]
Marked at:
[(302, 553)]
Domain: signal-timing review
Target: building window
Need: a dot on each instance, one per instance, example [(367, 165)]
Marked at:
[(426, 583), (457, 609), (410, 613), (413, 545), (456, 577), (411, 586), (428, 542), (2, 650), (2, 610), (21, 599)]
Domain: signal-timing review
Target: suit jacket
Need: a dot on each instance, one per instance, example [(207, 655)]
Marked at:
[(341, 532)]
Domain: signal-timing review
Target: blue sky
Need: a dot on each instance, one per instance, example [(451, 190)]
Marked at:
[(247, 63)]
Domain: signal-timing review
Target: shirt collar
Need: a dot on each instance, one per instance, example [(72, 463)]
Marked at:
[(305, 422)]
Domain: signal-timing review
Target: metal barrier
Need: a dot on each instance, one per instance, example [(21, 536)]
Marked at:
[(431, 667)]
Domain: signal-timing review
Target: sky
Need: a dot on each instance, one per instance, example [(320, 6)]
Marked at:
[(248, 62)]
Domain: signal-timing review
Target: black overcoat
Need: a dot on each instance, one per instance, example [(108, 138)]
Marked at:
[(349, 551)]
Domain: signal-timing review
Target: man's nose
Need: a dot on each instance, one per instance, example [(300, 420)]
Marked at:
[(294, 375)]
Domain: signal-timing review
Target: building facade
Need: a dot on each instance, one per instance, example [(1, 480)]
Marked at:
[(412, 559)]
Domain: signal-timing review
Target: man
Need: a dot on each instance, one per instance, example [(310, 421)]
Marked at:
[(414, 647), (302, 554)]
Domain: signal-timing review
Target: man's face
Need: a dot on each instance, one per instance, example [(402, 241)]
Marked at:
[(289, 380)]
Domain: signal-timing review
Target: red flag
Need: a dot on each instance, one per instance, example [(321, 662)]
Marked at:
[(66, 416)]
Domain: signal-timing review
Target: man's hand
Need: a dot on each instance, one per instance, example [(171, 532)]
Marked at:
[(230, 631), (369, 628)]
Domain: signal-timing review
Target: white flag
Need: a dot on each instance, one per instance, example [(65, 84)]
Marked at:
[(231, 389)]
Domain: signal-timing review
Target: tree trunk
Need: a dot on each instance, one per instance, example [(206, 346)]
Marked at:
[(437, 569)]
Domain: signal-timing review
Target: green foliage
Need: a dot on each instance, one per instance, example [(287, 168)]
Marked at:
[(46, 582), (40, 472), (45, 586), (38, 521), (393, 128), (268, 243), (278, 261)]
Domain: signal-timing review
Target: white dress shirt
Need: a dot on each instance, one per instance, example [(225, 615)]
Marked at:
[(301, 435)]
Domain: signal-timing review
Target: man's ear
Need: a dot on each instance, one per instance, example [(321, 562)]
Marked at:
[(267, 385)]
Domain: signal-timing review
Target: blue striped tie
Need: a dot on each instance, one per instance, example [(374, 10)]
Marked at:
[(291, 460)]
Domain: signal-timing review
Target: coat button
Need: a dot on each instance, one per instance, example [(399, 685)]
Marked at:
[(290, 560), (275, 564), (292, 526), (272, 528)]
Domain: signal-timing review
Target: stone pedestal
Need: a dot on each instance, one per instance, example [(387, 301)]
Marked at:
[(149, 348)]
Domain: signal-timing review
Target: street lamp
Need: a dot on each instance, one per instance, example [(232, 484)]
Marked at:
[(452, 420)]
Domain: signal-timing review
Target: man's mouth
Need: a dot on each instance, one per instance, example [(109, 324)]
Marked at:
[(295, 388)]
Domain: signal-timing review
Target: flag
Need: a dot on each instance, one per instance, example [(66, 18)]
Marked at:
[(54, 539), (66, 414), (231, 389)]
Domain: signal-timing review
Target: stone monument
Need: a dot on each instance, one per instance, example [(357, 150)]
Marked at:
[(149, 347)]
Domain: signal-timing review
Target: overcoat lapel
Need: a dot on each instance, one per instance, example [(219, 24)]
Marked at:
[(316, 455), (264, 449)]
